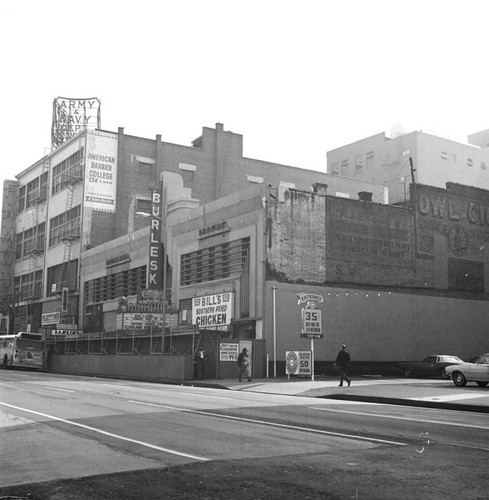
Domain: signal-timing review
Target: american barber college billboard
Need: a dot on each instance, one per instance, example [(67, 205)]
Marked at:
[(101, 171)]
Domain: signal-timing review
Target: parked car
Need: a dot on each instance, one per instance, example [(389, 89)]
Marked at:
[(431, 366), (471, 372)]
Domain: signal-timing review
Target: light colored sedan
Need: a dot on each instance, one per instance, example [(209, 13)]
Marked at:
[(470, 372)]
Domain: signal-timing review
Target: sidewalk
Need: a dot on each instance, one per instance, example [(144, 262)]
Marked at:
[(427, 393)]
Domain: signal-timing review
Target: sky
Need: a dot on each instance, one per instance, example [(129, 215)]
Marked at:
[(295, 78)]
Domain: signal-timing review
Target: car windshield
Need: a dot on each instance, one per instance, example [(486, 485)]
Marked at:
[(450, 359)]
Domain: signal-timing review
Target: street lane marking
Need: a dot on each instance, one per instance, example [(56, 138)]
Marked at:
[(395, 417), (173, 391), (57, 389), (271, 424), (110, 434)]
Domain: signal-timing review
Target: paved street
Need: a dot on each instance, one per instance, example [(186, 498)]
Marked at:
[(56, 427)]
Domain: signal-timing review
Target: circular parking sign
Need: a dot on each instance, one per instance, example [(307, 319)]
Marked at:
[(291, 362)]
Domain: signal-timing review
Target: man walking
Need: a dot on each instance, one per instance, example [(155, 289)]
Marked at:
[(243, 362), (341, 363)]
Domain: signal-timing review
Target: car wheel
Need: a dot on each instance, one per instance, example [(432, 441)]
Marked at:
[(482, 384), (444, 374), (408, 372), (458, 379)]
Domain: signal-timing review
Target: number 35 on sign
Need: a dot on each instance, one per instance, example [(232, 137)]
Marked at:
[(312, 322)]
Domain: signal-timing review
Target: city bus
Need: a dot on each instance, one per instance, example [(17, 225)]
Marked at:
[(23, 349)]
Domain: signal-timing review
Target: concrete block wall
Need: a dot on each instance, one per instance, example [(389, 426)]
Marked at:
[(154, 367)]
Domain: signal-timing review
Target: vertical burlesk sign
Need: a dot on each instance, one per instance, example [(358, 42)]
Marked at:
[(155, 281)]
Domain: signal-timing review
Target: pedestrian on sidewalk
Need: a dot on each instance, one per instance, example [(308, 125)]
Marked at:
[(342, 361), (243, 363), (199, 363)]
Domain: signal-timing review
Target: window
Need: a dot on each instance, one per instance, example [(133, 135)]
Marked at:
[(454, 157), (187, 171), (214, 263), (63, 275), (29, 241), (334, 168), (145, 168), (28, 286), (470, 163), (358, 162), (21, 205), (34, 240), (344, 166), (68, 170), (116, 285), (483, 165), (444, 155), (369, 159), (64, 226), (185, 312), (19, 245), (32, 192), (143, 206)]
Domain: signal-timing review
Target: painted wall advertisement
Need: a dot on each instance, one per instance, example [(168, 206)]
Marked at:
[(101, 171), (212, 311)]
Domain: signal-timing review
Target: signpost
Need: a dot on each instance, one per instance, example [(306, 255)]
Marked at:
[(312, 320)]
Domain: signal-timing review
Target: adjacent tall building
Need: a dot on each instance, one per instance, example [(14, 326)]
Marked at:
[(435, 161)]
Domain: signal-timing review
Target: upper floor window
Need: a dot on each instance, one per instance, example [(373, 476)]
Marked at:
[(187, 171), (483, 165), (145, 168), (32, 191), (21, 204), (143, 205), (470, 163), (67, 170), (358, 162), (444, 155), (64, 226)]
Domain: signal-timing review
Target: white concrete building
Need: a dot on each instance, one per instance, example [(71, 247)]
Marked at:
[(435, 160)]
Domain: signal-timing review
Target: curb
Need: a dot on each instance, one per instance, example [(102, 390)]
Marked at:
[(410, 402)]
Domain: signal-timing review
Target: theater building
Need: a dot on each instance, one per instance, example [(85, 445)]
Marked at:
[(396, 283), (87, 194)]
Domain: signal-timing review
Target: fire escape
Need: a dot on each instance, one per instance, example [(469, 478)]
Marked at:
[(71, 233)]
